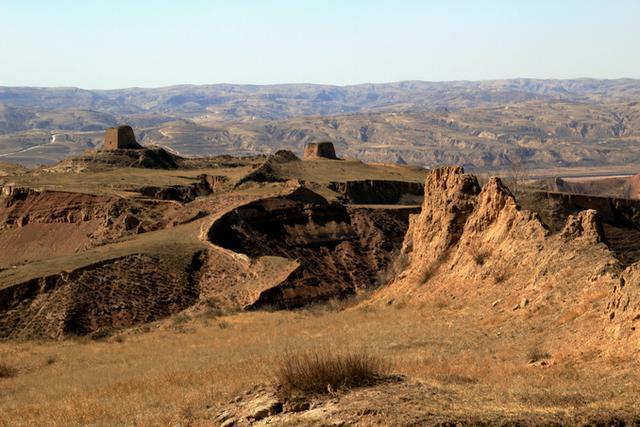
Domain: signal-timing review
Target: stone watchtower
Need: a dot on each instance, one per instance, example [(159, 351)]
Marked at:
[(119, 138), (320, 150)]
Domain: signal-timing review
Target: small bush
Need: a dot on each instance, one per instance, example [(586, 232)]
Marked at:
[(325, 372), (500, 276), (180, 318), (211, 309), (478, 254), (223, 324), (7, 371), (51, 359), (535, 355)]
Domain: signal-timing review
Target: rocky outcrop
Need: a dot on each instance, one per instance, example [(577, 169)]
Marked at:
[(478, 248), (585, 225), (460, 224), (320, 150), (623, 306)]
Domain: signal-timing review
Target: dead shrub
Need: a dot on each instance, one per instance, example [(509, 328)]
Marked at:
[(325, 372), (180, 318), (7, 371), (536, 354), (500, 276), (478, 254), (211, 309), (223, 324)]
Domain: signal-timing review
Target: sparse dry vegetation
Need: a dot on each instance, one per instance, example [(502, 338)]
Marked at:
[(100, 383), (536, 354), (479, 254), (324, 371), (7, 371)]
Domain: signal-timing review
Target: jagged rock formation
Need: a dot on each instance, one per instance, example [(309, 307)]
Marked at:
[(120, 138), (320, 150), (585, 225), (476, 246)]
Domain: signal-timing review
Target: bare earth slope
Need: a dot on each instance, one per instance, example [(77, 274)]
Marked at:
[(477, 247)]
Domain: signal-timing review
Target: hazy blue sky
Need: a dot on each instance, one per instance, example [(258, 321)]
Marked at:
[(118, 43)]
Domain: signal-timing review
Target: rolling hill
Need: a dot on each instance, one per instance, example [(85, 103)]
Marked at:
[(485, 125)]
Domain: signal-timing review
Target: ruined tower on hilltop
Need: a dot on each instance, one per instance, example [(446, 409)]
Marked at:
[(121, 137), (316, 150)]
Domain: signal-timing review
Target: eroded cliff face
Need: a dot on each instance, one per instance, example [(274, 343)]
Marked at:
[(383, 192), (476, 248), (98, 298), (339, 250)]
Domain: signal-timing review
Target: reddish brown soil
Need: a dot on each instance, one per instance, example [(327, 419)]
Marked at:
[(37, 225), (98, 298)]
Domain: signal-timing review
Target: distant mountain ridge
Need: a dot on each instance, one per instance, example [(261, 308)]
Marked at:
[(482, 124), (274, 102)]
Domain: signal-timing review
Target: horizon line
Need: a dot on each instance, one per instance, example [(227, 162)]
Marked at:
[(319, 84)]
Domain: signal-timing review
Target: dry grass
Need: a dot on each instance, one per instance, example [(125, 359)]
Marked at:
[(7, 371), (161, 377), (325, 371)]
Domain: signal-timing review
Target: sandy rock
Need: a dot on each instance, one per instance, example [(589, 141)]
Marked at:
[(465, 237), (228, 423), (586, 226), (263, 407)]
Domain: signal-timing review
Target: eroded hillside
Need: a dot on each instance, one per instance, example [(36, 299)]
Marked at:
[(128, 236)]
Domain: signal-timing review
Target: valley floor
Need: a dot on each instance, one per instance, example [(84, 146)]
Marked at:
[(186, 369)]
